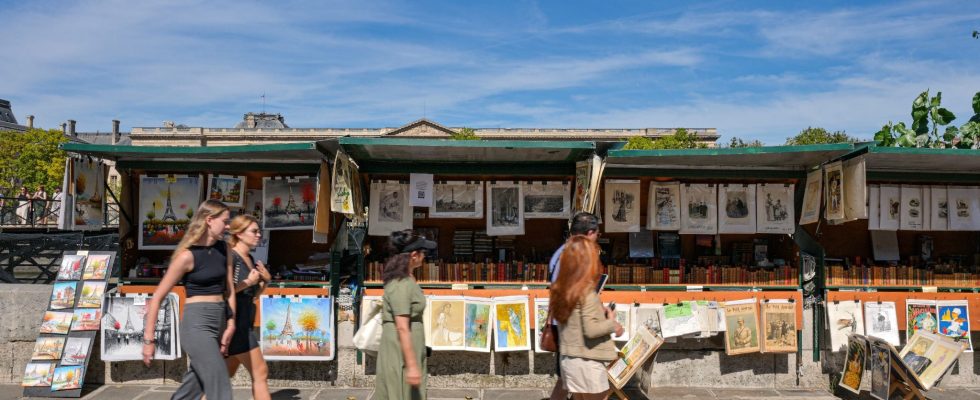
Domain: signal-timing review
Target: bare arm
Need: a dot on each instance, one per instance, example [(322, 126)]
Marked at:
[(230, 298), (179, 265), (413, 375)]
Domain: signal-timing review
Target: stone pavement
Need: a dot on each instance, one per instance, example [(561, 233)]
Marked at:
[(163, 392)]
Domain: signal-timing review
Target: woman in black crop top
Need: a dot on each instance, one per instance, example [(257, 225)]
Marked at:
[(250, 278), (208, 324)]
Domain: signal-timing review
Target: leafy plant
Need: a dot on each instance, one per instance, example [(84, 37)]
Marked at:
[(739, 143), (928, 116), (464, 134), (818, 135), (31, 158), (681, 139)]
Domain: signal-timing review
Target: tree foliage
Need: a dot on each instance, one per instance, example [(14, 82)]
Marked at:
[(681, 139), (464, 134), (928, 116), (31, 158), (812, 135), (737, 142)]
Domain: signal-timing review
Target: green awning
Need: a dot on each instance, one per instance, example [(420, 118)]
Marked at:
[(781, 160), (277, 152)]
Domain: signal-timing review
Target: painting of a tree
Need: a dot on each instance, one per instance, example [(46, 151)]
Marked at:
[(310, 322), (271, 327), (309, 197)]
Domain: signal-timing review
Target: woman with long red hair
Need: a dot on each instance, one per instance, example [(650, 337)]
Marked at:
[(584, 325)]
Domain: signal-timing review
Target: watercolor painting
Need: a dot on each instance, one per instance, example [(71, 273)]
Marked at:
[(511, 331), (288, 203), (89, 194), (122, 329), (86, 319), (92, 294), (56, 322), (298, 328), (96, 267), (445, 324), (71, 268), (540, 321), (63, 295), (48, 348), (479, 320), (76, 351), (167, 204), (67, 378), (38, 374), (227, 189)]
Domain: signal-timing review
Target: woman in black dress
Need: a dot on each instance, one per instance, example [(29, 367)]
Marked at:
[(250, 277)]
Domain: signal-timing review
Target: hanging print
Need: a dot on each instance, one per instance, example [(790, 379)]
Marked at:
[(457, 199), (920, 315), (342, 195), (938, 209), (811, 198), (699, 211), (167, 204), (390, 210), (547, 200), (622, 206), (775, 208), (736, 209), (506, 205), (89, 194), (227, 189), (253, 204), (964, 208), (445, 322), (742, 329), (843, 318), (511, 322), (954, 321), (889, 207), (479, 324), (881, 321), (664, 206), (583, 177), (297, 328), (834, 189), (874, 207), (855, 189), (288, 203), (910, 208), (779, 326)]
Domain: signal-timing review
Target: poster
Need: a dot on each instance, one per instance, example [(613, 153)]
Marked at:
[(342, 195), (420, 190), (389, 210), (874, 207), (297, 328), (540, 321), (964, 212), (855, 189), (632, 356), (48, 348), (914, 352), (479, 322), (699, 211), (742, 329), (775, 208), (853, 372), (511, 322), (38, 374), (86, 319), (941, 355), (954, 321), (938, 209), (910, 210), (227, 189), (834, 189), (881, 321), (96, 267), (811, 198), (679, 319), (624, 314), (736, 209), (889, 207), (63, 295), (505, 204), (843, 318), (880, 366), (457, 199), (167, 204), (622, 206), (647, 316), (92, 294), (67, 378), (920, 315), (71, 268), (547, 200), (76, 351), (444, 322), (122, 328), (664, 206), (288, 203), (57, 322), (779, 326), (583, 178), (88, 194)]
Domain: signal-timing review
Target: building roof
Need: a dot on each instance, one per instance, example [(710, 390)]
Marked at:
[(102, 138)]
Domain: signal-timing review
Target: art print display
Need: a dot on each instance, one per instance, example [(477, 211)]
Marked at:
[(914, 352), (779, 326), (679, 319), (632, 356), (122, 328), (647, 316), (699, 209), (288, 203), (954, 321), (67, 378), (889, 207), (297, 328), (775, 208), (96, 267), (342, 194), (167, 205), (941, 355), (664, 206), (853, 372), (76, 351), (227, 189), (811, 198), (623, 315), (737, 209), (964, 208), (874, 207), (511, 323), (445, 324), (742, 327), (622, 206), (855, 189), (457, 199), (389, 210), (547, 200), (540, 321), (583, 178), (834, 189), (38, 374), (48, 348), (71, 268), (938, 209), (88, 194), (911, 208), (253, 204), (63, 295), (57, 322), (880, 366), (479, 324), (92, 294), (881, 321), (86, 319), (505, 203), (843, 318), (920, 315)]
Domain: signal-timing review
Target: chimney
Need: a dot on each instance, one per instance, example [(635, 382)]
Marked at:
[(64, 128), (71, 128), (115, 131), (30, 122)]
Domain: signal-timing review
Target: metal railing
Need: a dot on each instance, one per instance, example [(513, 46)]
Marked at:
[(38, 213)]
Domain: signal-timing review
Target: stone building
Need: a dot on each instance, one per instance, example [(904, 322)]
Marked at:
[(8, 122)]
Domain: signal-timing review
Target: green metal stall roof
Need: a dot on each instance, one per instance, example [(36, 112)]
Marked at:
[(283, 157), (909, 164), (778, 161)]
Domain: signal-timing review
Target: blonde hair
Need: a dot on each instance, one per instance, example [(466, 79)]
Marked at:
[(239, 224), (198, 226)]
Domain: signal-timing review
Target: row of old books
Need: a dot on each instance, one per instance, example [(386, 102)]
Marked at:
[(897, 275), (710, 275), (514, 271)]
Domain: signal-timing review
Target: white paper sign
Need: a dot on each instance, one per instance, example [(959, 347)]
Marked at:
[(420, 190)]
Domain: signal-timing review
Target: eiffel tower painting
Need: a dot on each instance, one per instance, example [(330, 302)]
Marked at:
[(287, 328), (168, 212), (291, 207)]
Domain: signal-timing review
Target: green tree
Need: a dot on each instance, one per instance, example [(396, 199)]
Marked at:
[(465, 134), (737, 142), (681, 139), (270, 326), (31, 158), (812, 135)]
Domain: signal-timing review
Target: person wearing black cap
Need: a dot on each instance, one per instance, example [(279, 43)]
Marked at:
[(401, 370)]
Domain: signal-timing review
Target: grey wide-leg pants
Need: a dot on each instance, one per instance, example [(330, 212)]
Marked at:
[(200, 336)]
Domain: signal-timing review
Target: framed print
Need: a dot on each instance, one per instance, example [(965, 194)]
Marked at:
[(506, 209), (297, 328), (834, 190), (881, 321), (167, 204), (457, 199), (622, 205), (88, 194), (811, 198), (288, 203), (547, 199), (227, 189), (390, 210), (445, 324)]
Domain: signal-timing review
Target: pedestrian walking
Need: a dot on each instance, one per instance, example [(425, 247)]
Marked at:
[(23, 206), (250, 278), (39, 204)]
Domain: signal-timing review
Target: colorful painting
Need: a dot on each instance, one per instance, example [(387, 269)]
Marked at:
[(56, 322), (63, 295), (122, 329), (540, 321), (853, 372), (76, 351), (92, 293), (226, 189), (86, 319), (881, 358), (444, 323), (741, 327), (167, 204), (954, 321), (71, 268), (511, 323), (479, 320), (67, 378), (38, 374), (843, 318), (253, 204), (96, 267), (89, 194), (297, 328), (288, 203), (920, 316), (48, 348)]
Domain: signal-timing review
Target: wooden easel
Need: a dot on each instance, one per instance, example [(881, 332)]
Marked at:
[(618, 393), (902, 382)]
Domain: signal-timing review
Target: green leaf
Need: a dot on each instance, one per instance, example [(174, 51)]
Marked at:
[(921, 100), (951, 132), (942, 116), (884, 136), (921, 140), (976, 103), (935, 101)]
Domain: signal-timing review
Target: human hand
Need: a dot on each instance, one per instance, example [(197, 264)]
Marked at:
[(413, 376), (226, 337), (263, 271), (253, 277), (619, 329), (148, 350)]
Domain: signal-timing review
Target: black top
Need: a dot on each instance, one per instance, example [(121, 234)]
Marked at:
[(240, 269), (210, 272)]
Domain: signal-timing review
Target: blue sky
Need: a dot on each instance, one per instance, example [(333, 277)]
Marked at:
[(756, 70)]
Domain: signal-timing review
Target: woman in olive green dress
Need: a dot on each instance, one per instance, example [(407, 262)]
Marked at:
[(401, 372)]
